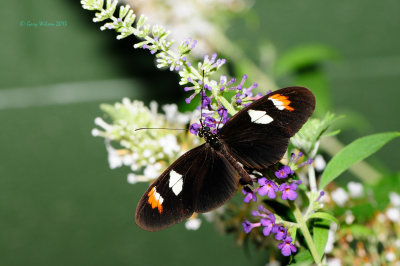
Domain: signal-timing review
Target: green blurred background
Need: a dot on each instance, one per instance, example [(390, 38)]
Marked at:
[(60, 204)]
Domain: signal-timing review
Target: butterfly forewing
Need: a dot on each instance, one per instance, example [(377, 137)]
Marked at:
[(199, 181), (258, 135)]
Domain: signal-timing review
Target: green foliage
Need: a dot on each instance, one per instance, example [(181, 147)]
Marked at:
[(325, 216), (302, 258), (307, 138), (354, 152), (320, 235)]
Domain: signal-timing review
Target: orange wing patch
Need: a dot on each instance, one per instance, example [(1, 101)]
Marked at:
[(281, 102), (155, 200)]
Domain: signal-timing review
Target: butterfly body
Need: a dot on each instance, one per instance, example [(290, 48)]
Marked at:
[(207, 176), (209, 137)]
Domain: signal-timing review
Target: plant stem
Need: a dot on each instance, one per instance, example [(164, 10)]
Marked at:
[(306, 233), (312, 179)]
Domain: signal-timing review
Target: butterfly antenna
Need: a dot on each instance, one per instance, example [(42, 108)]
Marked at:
[(142, 128), (201, 103)]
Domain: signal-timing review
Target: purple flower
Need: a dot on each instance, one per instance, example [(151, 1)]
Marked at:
[(288, 191), (223, 113), (247, 226), (293, 161), (188, 100), (321, 194), (286, 247), (194, 128), (206, 100), (210, 121), (309, 161), (284, 172), (268, 224), (250, 195), (280, 232), (268, 187)]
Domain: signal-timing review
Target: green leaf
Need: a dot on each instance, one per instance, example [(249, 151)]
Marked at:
[(354, 152), (302, 258), (324, 216), (320, 235)]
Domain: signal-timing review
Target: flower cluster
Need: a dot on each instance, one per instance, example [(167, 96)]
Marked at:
[(145, 151), (270, 188), (268, 223), (213, 107)]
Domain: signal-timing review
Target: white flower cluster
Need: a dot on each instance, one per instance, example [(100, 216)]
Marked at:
[(145, 151)]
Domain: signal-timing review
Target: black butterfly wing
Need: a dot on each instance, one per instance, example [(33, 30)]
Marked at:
[(259, 134), (199, 181)]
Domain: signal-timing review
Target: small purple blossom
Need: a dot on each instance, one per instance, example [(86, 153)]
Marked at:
[(268, 187), (206, 101), (288, 191), (247, 226), (286, 247), (250, 195), (194, 128), (321, 194), (188, 100), (309, 161), (284, 172), (210, 121), (280, 232), (293, 161), (268, 224)]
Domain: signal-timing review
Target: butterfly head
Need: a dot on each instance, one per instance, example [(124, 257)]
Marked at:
[(209, 137)]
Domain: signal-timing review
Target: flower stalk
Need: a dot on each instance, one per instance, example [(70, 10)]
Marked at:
[(306, 233)]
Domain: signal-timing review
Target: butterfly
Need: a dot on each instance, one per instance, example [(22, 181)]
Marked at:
[(207, 176)]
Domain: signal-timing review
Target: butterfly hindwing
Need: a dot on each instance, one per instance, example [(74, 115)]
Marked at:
[(199, 181), (218, 185), (259, 134)]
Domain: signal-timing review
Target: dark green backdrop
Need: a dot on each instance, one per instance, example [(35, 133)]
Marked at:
[(60, 204)]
